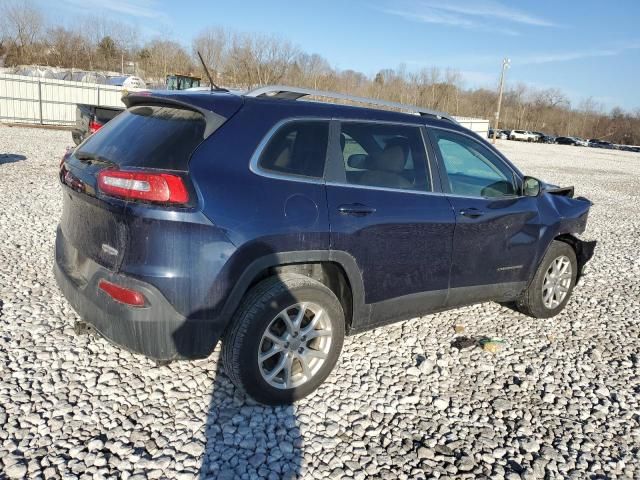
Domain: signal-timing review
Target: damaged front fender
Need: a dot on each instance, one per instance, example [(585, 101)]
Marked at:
[(584, 250), (567, 217)]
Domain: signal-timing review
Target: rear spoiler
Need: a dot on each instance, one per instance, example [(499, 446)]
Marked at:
[(213, 120)]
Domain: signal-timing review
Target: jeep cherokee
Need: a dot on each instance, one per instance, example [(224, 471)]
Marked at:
[(279, 226)]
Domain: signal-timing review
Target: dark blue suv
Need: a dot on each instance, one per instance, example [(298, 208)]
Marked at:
[(280, 225)]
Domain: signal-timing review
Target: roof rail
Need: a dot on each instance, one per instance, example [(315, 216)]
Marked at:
[(294, 93)]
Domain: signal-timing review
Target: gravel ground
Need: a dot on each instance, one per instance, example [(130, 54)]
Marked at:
[(559, 400)]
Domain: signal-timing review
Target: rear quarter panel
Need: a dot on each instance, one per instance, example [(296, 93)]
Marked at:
[(260, 216)]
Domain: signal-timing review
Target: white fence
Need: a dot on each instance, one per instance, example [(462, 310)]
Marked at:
[(48, 101), (53, 102)]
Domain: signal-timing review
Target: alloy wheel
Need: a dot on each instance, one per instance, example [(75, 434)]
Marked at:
[(295, 345), (557, 281)]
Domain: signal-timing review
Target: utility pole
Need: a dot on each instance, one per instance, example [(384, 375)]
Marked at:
[(506, 63)]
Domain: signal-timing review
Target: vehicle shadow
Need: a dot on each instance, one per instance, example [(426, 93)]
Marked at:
[(11, 158), (244, 439), (247, 440)]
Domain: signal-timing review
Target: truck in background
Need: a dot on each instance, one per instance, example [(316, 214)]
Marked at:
[(90, 118)]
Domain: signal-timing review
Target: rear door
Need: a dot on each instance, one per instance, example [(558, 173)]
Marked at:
[(386, 213), (497, 230)]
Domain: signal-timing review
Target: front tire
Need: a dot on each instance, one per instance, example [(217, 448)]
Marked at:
[(553, 283), (284, 340)]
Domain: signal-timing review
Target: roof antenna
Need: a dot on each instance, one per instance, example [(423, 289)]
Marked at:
[(206, 70)]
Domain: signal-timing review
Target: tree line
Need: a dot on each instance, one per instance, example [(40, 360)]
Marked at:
[(246, 60)]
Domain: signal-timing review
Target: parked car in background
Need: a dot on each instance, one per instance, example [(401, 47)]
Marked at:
[(538, 134), (91, 118), (544, 138), (566, 141), (596, 143), (347, 219), (581, 142), (500, 134), (507, 133), (524, 135), (627, 148)]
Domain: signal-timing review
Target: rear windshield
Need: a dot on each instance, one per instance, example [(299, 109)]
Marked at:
[(148, 136)]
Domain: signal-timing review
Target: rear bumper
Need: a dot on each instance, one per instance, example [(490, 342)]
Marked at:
[(156, 330)]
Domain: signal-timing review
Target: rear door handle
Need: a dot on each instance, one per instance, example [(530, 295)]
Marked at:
[(471, 212), (356, 209)]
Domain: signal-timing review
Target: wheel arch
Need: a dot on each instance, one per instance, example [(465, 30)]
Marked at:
[(583, 250), (335, 269)]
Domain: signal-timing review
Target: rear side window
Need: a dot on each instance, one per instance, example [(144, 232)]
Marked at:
[(148, 136), (384, 155), (297, 148)]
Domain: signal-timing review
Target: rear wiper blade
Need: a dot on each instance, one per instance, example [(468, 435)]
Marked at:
[(91, 158)]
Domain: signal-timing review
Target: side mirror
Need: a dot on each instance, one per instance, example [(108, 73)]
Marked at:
[(358, 161), (531, 187)]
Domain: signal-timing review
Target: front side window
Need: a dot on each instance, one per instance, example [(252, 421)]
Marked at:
[(384, 155), (297, 148), (472, 169)]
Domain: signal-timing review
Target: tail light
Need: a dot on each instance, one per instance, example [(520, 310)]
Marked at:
[(144, 186), (122, 294), (94, 126)]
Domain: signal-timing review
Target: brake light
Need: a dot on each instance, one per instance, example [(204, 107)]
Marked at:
[(122, 294), (94, 126), (143, 186)]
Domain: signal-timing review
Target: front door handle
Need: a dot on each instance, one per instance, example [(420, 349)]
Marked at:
[(471, 212), (356, 209)]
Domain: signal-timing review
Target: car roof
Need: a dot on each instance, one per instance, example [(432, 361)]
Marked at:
[(215, 101), (348, 112), (295, 93)]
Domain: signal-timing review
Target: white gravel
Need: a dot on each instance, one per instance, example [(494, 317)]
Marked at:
[(559, 400)]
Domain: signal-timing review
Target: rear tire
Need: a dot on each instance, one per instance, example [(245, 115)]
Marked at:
[(284, 339), (553, 283)]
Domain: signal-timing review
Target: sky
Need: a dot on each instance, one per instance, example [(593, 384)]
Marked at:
[(585, 48)]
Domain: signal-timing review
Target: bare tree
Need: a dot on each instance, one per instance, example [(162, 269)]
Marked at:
[(245, 60), (159, 58), (213, 45), (310, 69), (260, 59), (67, 48), (21, 28)]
